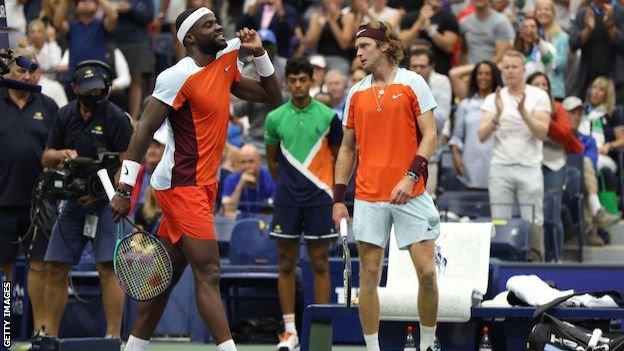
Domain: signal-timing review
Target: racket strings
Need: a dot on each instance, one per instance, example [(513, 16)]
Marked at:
[(143, 266)]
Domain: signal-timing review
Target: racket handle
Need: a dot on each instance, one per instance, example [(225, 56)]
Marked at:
[(106, 183), (343, 228)]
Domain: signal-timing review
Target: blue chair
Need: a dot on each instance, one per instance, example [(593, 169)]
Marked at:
[(553, 231), (474, 204), (572, 204), (511, 241), (447, 177), (250, 243)]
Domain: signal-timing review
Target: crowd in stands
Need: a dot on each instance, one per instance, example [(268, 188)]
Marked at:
[(573, 54)]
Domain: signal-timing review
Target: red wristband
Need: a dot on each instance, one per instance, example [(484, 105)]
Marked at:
[(340, 192), (419, 166)]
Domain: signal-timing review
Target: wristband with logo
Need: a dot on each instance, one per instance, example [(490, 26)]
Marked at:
[(129, 172)]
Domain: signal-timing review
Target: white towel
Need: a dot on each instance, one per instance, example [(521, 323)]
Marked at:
[(534, 291)]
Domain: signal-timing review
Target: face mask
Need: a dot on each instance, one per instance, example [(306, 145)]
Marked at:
[(89, 101)]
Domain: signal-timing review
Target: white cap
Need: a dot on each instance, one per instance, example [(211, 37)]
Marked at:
[(161, 134), (318, 60), (572, 102)]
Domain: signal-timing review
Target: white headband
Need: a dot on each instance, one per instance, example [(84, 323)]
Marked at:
[(190, 21)]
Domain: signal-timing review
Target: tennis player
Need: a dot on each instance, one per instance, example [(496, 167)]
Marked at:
[(389, 116), (193, 97)]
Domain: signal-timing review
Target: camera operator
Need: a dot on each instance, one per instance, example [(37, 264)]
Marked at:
[(24, 125), (85, 127)]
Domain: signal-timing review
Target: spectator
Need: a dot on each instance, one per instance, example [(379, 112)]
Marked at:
[(546, 17), (51, 88), (604, 121), (87, 37), (164, 20), (471, 157), (16, 21), (598, 31), (279, 17), (251, 189), (539, 55), (439, 27), (320, 69), (487, 33), (595, 215), (554, 161), (331, 34), (47, 50), (359, 10), (26, 120), (257, 112), (336, 83), (356, 75), (517, 117), (141, 193), (130, 36), (423, 63), (380, 11), (228, 166)]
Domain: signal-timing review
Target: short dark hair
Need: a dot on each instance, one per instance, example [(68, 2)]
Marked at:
[(426, 52), (297, 65), (182, 16)]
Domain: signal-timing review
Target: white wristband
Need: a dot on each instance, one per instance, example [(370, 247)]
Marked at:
[(129, 172), (264, 66)]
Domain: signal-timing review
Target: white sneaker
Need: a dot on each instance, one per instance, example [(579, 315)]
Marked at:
[(289, 341)]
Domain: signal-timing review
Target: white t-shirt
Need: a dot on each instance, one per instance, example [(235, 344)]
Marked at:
[(514, 143)]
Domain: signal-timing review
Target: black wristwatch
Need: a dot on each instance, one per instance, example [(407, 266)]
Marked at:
[(124, 193)]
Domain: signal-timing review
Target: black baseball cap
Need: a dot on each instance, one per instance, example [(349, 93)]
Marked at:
[(89, 78)]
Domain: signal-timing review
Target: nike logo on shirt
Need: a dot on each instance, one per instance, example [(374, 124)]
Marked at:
[(227, 68), (394, 97), (126, 172)]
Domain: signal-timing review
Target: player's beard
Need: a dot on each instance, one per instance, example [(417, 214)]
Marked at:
[(210, 46)]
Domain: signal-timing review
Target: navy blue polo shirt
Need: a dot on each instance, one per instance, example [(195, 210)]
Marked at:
[(23, 135), (86, 42), (107, 130)]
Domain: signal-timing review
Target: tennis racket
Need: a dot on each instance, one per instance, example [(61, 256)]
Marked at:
[(141, 262), (346, 260)]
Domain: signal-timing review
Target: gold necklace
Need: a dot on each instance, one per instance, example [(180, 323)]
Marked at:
[(379, 93)]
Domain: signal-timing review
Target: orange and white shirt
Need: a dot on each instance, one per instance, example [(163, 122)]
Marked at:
[(197, 126), (386, 131)]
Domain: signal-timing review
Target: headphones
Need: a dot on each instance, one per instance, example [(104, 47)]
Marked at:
[(99, 66)]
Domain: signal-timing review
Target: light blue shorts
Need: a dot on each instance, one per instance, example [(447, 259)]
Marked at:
[(416, 221)]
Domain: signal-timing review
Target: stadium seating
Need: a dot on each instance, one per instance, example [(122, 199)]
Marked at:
[(511, 241), (250, 243), (473, 204), (572, 204)]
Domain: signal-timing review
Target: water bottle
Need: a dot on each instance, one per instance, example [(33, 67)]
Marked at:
[(485, 344), (410, 343)]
